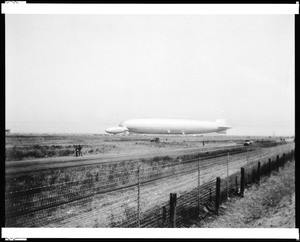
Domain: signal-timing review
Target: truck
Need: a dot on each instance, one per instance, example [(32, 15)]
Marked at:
[(247, 142)]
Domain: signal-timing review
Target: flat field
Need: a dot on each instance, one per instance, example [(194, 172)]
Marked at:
[(25, 147), (69, 191)]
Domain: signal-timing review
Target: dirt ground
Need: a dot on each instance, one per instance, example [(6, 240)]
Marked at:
[(108, 144), (85, 212), (107, 148), (270, 205)]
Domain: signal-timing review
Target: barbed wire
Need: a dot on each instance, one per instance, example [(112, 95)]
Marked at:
[(193, 169), (115, 173)]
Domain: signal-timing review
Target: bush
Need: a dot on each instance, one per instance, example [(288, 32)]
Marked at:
[(156, 158), (14, 154), (65, 152), (165, 158), (36, 151)]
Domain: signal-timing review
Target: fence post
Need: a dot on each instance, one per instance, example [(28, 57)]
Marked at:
[(258, 172), (277, 163), (198, 185), (227, 178), (139, 185), (217, 202), (260, 154), (164, 215), (269, 167), (173, 201), (283, 160), (236, 186), (242, 181)]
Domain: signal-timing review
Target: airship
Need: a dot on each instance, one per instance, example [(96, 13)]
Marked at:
[(169, 126)]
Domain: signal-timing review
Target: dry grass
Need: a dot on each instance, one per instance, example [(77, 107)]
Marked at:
[(272, 204), (20, 147), (99, 178)]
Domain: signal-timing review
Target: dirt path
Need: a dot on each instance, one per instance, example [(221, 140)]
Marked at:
[(270, 205), (102, 210), (34, 165)]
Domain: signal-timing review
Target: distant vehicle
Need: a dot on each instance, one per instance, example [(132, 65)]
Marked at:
[(247, 142), (169, 126)]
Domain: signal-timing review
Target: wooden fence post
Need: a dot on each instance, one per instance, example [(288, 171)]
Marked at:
[(217, 202), (277, 163), (173, 201), (242, 182), (283, 160), (139, 186), (198, 185), (164, 216), (236, 186), (269, 167), (227, 178), (258, 172)]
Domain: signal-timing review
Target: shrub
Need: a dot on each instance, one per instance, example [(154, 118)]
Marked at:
[(156, 158), (165, 158), (36, 151), (65, 152)]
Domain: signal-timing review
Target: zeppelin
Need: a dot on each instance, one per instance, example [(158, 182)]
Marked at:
[(169, 126)]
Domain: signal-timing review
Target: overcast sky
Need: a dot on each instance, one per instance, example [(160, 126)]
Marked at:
[(84, 73)]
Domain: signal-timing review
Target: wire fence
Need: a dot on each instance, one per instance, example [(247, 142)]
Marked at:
[(136, 193)]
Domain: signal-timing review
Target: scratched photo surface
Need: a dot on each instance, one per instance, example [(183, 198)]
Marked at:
[(152, 121)]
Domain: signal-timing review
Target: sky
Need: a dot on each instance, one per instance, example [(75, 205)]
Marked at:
[(85, 73)]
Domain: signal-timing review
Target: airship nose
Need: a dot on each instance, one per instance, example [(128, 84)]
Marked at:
[(108, 130), (116, 130)]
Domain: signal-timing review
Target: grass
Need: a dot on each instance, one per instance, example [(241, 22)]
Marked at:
[(115, 175), (267, 205), (36, 151), (19, 147)]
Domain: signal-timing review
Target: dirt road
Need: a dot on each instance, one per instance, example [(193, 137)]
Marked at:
[(111, 209), (36, 165)]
